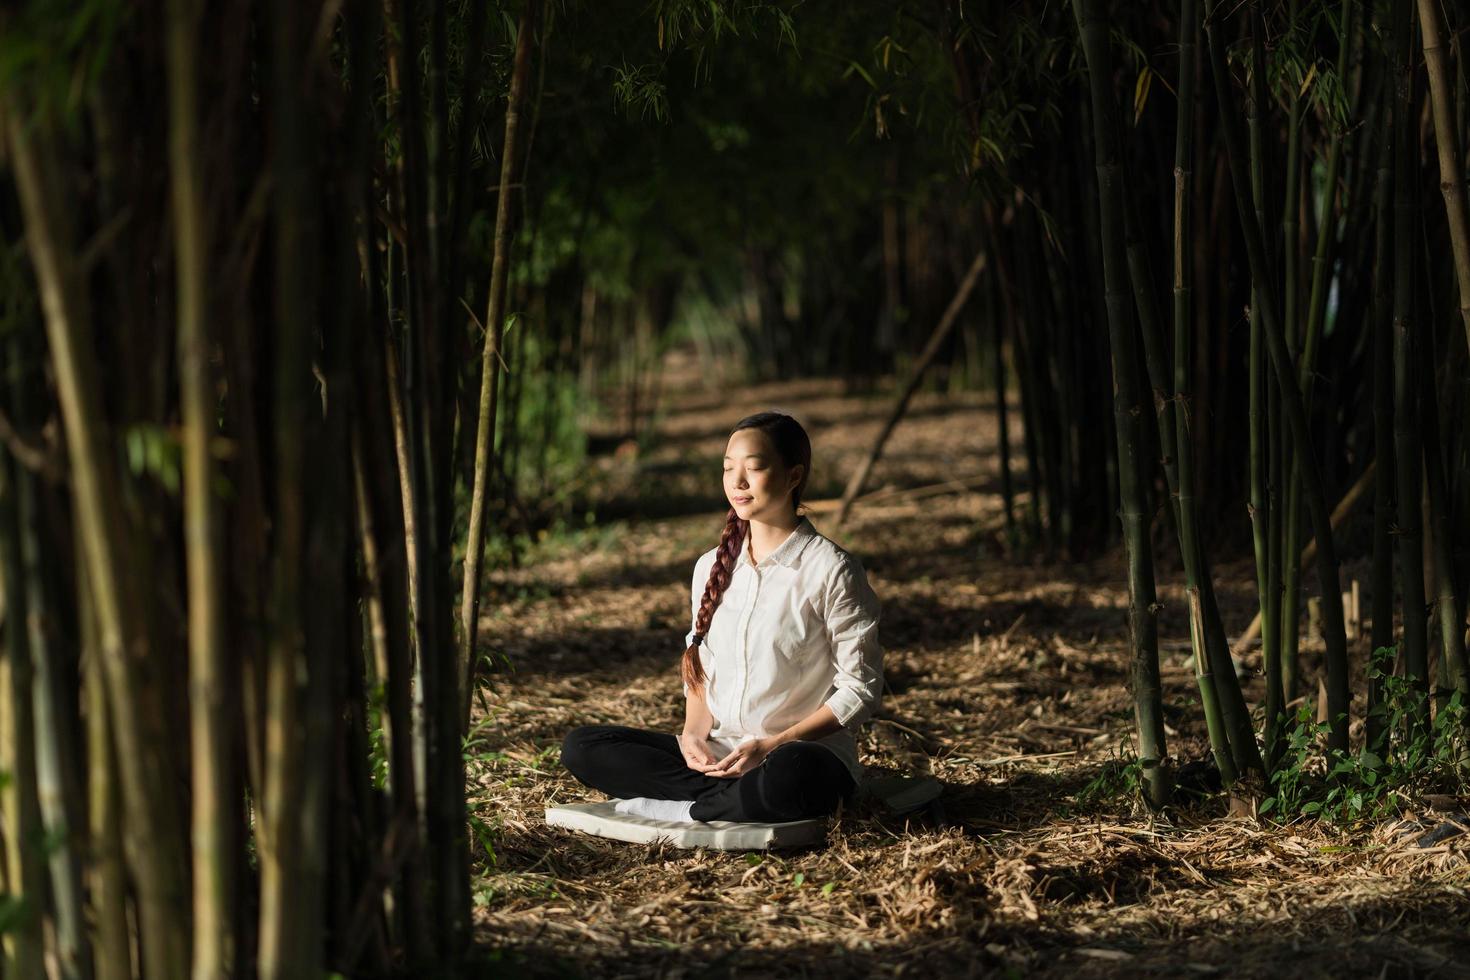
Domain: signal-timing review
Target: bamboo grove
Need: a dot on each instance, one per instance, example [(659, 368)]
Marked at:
[(1320, 150), (303, 307)]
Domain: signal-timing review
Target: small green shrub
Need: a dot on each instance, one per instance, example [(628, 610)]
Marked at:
[(1377, 781)]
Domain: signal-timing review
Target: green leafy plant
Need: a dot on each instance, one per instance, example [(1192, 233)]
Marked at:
[(1119, 778), (1377, 781)]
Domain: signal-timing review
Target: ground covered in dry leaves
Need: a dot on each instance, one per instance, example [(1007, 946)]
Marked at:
[(1006, 680)]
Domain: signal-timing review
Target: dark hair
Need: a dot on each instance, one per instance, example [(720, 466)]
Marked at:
[(794, 448)]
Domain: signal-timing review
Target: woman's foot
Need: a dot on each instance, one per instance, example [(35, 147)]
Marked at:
[(672, 811)]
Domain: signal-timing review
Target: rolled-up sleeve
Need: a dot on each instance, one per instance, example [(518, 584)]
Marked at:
[(852, 624)]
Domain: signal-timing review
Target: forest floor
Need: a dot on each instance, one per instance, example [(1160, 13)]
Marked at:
[(1006, 679)]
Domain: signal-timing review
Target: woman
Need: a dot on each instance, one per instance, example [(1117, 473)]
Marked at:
[(782, 664)]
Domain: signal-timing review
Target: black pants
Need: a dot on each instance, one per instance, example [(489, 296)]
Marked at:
[(797, 781)]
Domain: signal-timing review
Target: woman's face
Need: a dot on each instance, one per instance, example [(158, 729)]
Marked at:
[(757, 484)]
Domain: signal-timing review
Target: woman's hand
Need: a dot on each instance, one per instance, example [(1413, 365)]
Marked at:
[(745, 757), (697, 753)]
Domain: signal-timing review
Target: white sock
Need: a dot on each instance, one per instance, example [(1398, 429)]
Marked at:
[(673, 811)]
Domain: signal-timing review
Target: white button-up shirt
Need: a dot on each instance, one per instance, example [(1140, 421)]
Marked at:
[(793, 633)]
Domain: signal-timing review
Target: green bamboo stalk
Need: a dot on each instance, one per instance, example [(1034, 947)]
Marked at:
[(1306, 367), (1451, 174), (214, 798), (1333, 627), (1453, 673), (1292, 205), (1408, 453), (1092, 23), (1267, 446), (1179, 443), (1226, 714)]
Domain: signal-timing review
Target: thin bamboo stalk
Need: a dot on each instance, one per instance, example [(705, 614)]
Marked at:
[(290, 872), (1266, 445), (214, 795), (490, 363), (1408, 453), (1383, 479), (22, 948), (1453, 674), (1092, 23), (1306, 369), (1175, 423), (106, 875), (1451, 173), (1333, 627), (59, 762)]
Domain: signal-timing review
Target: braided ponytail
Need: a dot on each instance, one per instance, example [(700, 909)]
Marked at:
[(732, 539), (794, 448)]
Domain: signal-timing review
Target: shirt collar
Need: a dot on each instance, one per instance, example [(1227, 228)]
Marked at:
[(788, 551)]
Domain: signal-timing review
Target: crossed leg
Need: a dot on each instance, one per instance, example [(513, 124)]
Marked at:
[(797, 781)]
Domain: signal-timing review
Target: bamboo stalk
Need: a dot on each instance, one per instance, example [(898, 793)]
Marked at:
[(1092, 23), (386, 476), (1453, 675), (1333, 627), (1266, 445), (1408, 453), (1306, 371), (1177, 442), (1176, 424), (1345, 506), (213, 800), (290, 872), (1451, 173), (1385, 467), (490, 361), (1292, 205), (22, 947), (59, 764), (106, 876)]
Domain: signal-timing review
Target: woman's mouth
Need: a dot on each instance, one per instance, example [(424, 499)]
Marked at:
[(741, 500)]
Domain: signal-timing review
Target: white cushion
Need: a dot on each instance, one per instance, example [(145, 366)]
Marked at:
[(601, 820)]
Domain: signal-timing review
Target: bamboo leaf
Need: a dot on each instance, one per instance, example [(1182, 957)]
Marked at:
[(1140, 92), (1307, 82), (853, 66)]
